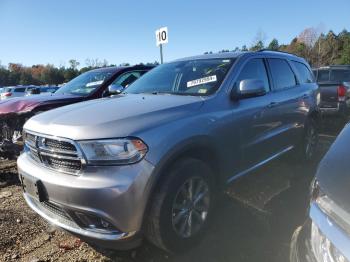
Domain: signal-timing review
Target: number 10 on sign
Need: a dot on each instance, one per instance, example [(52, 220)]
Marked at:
[(162, 38)]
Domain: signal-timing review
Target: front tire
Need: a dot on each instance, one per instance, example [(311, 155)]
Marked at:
[(182, 206)]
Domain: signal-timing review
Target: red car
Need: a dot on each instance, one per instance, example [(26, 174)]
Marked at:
[(93, 84)]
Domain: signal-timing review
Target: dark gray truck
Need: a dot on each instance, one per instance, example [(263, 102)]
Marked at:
[(334, 83)]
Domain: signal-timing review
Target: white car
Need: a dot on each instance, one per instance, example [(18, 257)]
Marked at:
[(15, 91)]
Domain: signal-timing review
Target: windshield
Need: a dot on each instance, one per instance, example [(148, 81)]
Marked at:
[(196, 77), (85, 83)]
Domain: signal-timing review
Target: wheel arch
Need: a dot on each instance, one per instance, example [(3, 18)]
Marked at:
[(201, 148)]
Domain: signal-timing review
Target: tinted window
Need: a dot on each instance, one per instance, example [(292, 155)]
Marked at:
[(19, 90), (282, 74), (323, 75), (126, 79), (255, 69), (340, 75), (85, 83), (305, 76)]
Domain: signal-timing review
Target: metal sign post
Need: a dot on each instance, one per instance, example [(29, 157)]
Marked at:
[(161, 38), (161, 53)]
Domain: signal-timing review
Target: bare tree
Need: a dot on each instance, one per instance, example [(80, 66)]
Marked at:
[(260, 38), (309, 36)]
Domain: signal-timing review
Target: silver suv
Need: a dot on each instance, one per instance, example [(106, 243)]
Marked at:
[(148, 162)]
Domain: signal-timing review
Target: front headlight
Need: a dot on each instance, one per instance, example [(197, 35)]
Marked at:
[(113, 151)]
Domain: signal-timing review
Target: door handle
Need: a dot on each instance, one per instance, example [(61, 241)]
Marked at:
[(272, 104)]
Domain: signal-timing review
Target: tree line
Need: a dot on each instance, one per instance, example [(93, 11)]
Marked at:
[(17, 74), (318, 48)]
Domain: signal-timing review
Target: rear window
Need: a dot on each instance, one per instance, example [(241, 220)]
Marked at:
[(305, 75), (340, 75), (282, 74)]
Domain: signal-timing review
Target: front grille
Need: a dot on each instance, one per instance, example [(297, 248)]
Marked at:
[(66, 165), (59, 145), (55, 209), (30, 138), (58, 154)]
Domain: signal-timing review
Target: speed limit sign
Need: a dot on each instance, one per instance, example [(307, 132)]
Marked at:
[(162, 36)]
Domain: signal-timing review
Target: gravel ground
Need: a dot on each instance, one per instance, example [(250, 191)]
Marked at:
[(254, 221)]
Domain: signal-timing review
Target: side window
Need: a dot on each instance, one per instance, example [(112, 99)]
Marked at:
[(255, 69), (305, 76), (126, 79), (19, 90), (282, 74)]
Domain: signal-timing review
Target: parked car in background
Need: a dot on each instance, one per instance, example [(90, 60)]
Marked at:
[(14, 91), (42, 90), (48, 89), (90, 85), (325, 236), (334, 82), (148, 163)]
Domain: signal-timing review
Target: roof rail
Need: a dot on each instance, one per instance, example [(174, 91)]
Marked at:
[(279, 51), (339, 66)]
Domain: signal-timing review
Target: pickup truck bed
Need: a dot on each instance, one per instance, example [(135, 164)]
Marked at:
[(334, 83)]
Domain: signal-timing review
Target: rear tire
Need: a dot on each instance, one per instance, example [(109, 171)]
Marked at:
[(182, 206), (306, 150)]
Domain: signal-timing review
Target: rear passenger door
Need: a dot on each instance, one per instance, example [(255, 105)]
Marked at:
[(288, 96)]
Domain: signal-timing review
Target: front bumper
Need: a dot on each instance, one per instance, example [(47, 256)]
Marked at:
[(114, 194), (320, 240)]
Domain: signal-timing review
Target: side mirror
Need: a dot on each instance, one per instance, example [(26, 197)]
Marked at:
[(248, 88), (115, 89)]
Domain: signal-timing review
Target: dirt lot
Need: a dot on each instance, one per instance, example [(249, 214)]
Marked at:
[(254, 221)]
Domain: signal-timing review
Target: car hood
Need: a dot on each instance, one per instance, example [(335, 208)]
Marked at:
[(25, 104), (120, 116), (333, 172)]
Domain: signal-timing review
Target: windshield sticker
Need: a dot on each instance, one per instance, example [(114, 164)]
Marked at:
[(201, 81), (202, 91), (94, 83)]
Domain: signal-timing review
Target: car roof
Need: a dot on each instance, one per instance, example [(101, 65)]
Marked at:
[(212, 56), (344, 67), (115, 69), (237, 54)]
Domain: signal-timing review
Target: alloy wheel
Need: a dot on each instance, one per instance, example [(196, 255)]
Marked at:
[(310, 141), (190, 207)]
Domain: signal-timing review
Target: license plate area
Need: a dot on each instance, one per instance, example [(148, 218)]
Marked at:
[(34, 188)]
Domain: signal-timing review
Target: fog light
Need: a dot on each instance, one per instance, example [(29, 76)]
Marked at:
[(94, 223)]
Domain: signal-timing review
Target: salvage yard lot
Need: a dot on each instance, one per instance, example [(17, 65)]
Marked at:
[(254, 220)]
